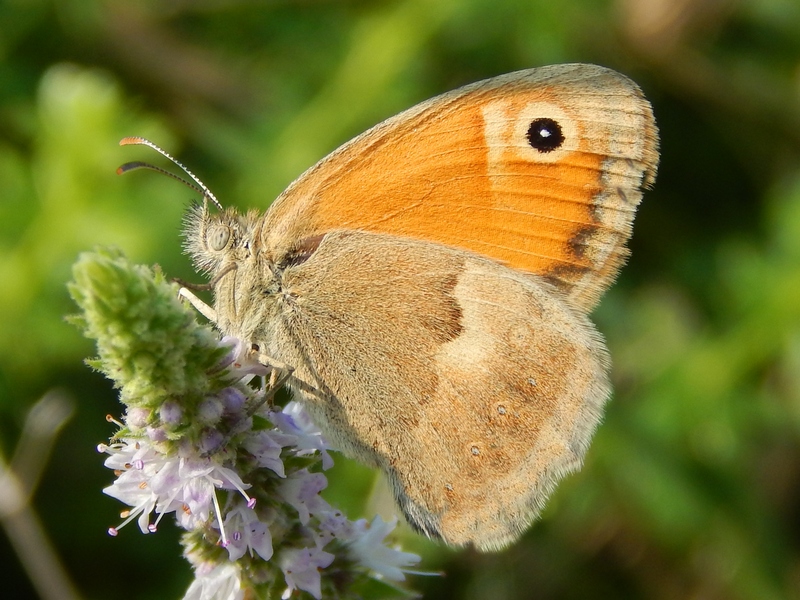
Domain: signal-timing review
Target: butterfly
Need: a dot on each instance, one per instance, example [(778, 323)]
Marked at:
[(426, 288)]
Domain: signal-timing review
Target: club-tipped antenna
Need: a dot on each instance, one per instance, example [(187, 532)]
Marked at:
[(132, 166), (140, 141)]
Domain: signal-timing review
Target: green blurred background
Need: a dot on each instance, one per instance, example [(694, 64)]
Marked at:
[(692, 486)]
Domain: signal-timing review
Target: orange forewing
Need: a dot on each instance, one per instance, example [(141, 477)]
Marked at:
[(458, 170)]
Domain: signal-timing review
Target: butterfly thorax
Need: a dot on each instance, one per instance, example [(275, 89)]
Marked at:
[(247, 276)]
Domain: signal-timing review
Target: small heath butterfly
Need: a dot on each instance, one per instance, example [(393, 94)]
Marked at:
[(425, 288)]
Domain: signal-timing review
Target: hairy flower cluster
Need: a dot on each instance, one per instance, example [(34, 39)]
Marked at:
[(202, 443)]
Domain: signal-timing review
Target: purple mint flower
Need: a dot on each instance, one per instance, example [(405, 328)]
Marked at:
[(246, 533), (301, 568), (301, 490)]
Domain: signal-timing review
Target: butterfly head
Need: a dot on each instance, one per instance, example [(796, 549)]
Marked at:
[(217, 240)]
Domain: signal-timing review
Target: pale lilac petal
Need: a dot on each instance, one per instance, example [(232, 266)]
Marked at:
[(196, 495), (301, 490), (301, 568), (294, 420), (266, 447), (247, 534), (369, 549), (222, 582), (335, 525)]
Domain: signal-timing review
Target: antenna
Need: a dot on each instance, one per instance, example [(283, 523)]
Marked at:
[(140, 141)]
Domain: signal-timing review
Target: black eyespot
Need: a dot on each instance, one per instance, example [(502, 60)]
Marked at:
[(545, 135)]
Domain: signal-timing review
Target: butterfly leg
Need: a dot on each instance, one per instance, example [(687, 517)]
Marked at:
[(201, 307), (277, 378), (280, 371), (286, 372), (279, 374)]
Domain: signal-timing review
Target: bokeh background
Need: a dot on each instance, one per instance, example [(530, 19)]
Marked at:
[(692, 486)]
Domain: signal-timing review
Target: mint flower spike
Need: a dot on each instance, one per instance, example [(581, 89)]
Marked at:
[(198, 442)]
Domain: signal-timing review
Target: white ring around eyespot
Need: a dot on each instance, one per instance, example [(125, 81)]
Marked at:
[(544, 110)]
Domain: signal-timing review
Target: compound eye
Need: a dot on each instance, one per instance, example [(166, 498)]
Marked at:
[(218, 237)]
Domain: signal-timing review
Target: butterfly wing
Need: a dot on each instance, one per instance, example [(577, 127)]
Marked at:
[(474, 387), (541, 170), (430, 281)]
